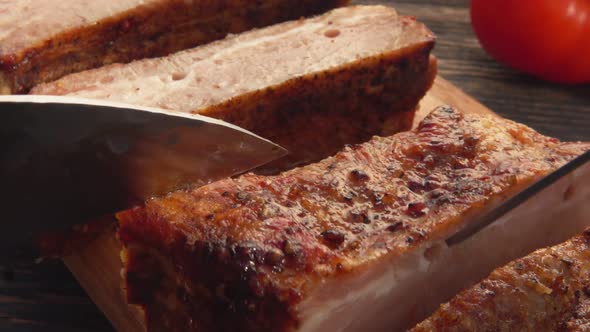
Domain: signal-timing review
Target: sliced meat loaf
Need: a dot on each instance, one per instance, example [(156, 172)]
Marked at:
[(43, 40), (311, 85), (355, 242)]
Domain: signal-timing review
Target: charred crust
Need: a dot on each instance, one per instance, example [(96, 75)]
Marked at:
[(360, 217), (333, 238), (291, 248), (396, 226), (264, 265), (417, 209), (358, 175), (274, 258), (236, 282)]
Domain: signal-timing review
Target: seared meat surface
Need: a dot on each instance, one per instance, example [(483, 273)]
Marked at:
[(548, 290), (310, 85), (43, 40), (334, 245)]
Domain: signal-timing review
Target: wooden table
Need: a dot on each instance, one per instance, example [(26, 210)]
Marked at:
[(46, 297)]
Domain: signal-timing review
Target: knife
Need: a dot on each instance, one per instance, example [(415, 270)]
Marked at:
[(563, 177), (65, 161)]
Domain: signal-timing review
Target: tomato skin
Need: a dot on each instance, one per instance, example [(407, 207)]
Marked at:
[(549, 39)]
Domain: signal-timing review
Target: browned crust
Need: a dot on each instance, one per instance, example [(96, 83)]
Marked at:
[(246, 251), (548, 290), (314, 116), (224, 289), (153, 31)]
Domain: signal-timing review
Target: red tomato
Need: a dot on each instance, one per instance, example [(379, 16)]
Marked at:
[(549, 39)]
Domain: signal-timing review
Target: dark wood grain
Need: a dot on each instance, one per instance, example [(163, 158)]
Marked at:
[(45, 297)]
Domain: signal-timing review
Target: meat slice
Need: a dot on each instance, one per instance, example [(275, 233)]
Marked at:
[(43, 40), (310, 85), (355, 242), (547, 290)]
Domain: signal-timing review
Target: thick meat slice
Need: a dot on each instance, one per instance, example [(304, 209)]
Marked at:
[(310, 85), (43, 40), (352, 243), (548, 290)]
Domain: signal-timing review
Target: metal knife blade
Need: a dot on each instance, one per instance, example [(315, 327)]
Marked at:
[(66, 160), (580, 167)]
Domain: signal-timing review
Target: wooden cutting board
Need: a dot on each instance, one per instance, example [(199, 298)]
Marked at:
[(98, 266)]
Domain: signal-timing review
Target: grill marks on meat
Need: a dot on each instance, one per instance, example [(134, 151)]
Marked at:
[(299, 84), (251, 253), (547, 290), (41, 40)]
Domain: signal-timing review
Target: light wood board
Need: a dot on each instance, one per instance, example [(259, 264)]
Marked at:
[(98, 267)]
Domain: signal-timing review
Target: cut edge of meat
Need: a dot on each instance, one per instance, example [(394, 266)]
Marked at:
[(314, 115), (312, 112), (436, 272), (403, 290), (421, 277), (143, 32)]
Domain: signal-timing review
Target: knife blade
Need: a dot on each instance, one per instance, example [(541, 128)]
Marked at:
[(578, 168), (65, 160)]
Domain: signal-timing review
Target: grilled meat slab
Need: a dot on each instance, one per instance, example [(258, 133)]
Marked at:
[(43, 40), (547, 290), (352, 243), (310, 85)]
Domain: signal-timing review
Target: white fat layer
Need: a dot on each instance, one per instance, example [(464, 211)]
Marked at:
[(27, 22), (192, 80), (338, 314), (397, 293)]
